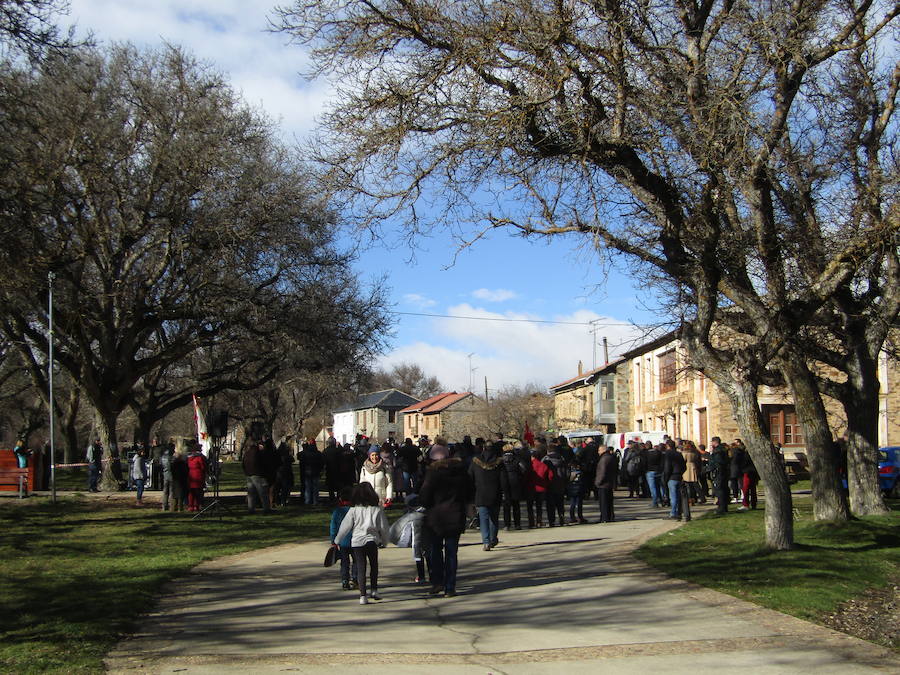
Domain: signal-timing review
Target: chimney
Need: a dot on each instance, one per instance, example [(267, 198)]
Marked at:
[(580, 367)]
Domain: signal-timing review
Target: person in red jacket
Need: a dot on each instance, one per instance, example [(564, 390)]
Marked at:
[(541, 477), (196, 476)]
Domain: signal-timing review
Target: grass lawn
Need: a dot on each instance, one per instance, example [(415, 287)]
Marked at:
[(74, 577), (829, 564)]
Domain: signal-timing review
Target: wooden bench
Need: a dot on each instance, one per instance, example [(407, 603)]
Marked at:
[(17, 478)]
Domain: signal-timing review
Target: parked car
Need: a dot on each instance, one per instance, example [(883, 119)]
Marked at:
[(889, 471)]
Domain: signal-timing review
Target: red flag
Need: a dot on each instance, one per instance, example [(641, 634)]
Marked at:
[(529, 437)]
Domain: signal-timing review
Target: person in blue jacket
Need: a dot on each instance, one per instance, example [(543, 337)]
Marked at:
[(348, 566)]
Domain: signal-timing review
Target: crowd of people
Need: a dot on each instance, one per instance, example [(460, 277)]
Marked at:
[(448, 487)]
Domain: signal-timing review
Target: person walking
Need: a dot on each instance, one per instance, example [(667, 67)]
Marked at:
[(486, 471), (605, 482), (368, 528), (377, 473), (345, 501), (445, 491)]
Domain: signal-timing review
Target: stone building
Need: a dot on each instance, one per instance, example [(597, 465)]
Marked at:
[(377, 415), (587, 401), (664, 394), (450, 414)]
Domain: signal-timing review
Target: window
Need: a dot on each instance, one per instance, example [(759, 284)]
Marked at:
[(667, 372), (392, 417), (784, 427)]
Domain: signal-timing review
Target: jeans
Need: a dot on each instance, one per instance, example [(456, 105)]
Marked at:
[(444, 561), (654, 492), (488, 519), (311, 490), (257, 493), (675, 498), (409, 481), (139, 483)]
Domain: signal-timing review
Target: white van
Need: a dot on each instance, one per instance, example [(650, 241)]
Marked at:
[(619, 441)]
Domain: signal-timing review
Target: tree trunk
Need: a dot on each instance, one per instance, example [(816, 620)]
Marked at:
[(754, 432), (829, 498), (72, 451), (106, 428), (861, 408)]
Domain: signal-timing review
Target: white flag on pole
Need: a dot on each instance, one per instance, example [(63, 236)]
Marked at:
[(202, 433)]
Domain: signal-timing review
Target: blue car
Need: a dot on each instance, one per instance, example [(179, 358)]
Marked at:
[(889, 471)]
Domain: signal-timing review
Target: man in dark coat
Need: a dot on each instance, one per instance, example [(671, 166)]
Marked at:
[(445, 492), (485, 471), (311, 464), (719, 467), (512, 485), (674, 467), (332, 458), (605, 482)]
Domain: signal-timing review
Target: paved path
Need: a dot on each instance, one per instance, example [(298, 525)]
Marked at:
[(562, 600)]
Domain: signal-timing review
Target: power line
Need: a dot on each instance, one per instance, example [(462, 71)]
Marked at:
[(491, 318)]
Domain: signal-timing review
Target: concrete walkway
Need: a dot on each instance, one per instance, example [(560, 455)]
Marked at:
[(562, 600)]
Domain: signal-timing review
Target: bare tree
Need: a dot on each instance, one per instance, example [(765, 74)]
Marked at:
[(692, 137), (172, 219), (409, 378)]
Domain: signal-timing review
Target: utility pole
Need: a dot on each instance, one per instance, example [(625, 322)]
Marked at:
[(471, 371), (593, 333), (487, 402), (50, 276)]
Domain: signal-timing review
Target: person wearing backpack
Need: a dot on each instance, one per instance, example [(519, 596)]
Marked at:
[(556, 492), (653, 472)]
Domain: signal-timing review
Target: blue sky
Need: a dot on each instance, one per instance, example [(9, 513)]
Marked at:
[(500, 277)]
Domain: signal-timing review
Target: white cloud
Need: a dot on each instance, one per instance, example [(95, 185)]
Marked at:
[(418, 300), (495, 295), (510, 352), (230, 34)]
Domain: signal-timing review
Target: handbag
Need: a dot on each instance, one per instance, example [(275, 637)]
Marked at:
[(331, 555)]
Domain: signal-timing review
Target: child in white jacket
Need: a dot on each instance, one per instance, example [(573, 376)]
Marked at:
[(368, 528)]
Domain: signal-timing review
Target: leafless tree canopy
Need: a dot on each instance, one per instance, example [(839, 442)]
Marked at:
[(409, 378), (744, 153), (187, 246)]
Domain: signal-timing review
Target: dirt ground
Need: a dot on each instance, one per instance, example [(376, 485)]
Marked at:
[(874, 616)]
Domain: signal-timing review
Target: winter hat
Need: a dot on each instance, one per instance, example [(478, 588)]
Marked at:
[(438, 452)]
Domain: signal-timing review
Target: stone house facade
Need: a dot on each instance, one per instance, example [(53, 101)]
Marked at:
[(376, 415), (664, 394), (449, 414), (587, 401)]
